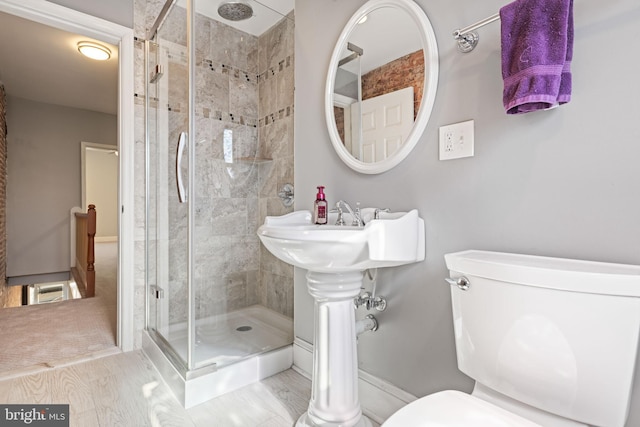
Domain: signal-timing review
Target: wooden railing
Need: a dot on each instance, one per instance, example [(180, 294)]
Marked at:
[(84, 270)]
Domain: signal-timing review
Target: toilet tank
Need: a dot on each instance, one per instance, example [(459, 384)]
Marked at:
[(557, 334)]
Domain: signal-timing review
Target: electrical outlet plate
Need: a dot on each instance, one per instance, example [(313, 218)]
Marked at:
[(456, 140)]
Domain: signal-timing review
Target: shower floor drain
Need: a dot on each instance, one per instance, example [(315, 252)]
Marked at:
[(243, 328)]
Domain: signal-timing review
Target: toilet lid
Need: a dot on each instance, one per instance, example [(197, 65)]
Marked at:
[(452, 408)]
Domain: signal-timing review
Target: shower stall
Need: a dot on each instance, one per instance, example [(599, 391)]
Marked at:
[(219, 138)]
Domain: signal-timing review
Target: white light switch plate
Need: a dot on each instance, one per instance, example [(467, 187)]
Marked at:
[(456, 140)]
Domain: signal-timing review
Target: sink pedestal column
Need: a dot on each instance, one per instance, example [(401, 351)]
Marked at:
[(334, 390)]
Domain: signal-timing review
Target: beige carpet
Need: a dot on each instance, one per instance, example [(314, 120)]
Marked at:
[(41, 336)]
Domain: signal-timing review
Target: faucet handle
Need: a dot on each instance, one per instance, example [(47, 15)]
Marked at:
[(376, 213), (340, 220), (357, 217)]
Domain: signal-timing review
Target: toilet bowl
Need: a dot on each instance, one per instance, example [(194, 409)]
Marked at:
[(529, 331), (453, 408)]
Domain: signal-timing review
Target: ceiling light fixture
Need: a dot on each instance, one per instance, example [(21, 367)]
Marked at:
[(94, 51)]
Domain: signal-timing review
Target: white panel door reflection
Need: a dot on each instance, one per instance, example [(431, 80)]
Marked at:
[(387, 120)]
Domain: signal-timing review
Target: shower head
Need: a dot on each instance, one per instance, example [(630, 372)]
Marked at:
[(235, 10)]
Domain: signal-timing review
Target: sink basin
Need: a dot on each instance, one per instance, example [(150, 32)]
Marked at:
[(396, 238)]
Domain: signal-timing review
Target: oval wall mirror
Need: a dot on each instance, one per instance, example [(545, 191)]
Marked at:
[(381, 84)]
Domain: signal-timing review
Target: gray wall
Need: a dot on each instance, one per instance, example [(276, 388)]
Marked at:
[(118, 11), (559, 183), (43, 183)]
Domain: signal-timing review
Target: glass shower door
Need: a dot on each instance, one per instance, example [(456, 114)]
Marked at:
[(168, 112), (209, 302)]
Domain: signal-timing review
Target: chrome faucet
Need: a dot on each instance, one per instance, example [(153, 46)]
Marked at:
[(356, 215)]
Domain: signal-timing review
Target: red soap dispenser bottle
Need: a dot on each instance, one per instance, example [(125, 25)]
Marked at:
[(320, 210)]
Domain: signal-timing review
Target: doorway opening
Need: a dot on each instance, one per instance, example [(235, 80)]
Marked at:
[(66, 19)]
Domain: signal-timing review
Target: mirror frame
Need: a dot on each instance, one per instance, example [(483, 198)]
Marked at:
[(430, 50)]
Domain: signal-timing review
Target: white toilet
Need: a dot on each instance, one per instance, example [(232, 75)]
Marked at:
[(550, 342)]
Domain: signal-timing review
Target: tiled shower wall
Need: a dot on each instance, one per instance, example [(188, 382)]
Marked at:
[(244, 112), (276, 85)]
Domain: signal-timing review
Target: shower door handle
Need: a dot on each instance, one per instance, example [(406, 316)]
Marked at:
[(180, 151)]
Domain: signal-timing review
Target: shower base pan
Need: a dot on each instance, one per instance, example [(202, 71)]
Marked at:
[(232, 351)]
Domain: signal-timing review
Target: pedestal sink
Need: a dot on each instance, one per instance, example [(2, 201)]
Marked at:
[(336, 258)]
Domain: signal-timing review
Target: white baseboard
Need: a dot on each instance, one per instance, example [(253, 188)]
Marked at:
[(379, 399)]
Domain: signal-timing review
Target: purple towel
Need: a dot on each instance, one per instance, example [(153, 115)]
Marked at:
[(537, 48)]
